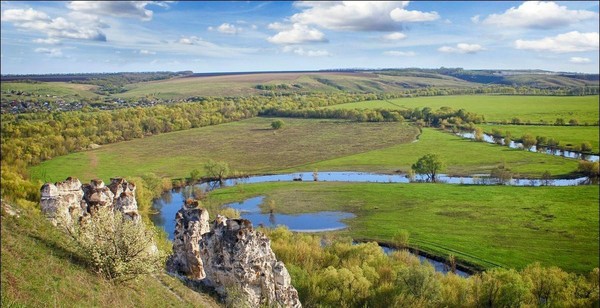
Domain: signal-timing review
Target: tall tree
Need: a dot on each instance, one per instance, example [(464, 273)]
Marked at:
[(429, 165)]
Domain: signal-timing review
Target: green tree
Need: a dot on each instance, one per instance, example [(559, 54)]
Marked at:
[(217, 170), (195, 175), (430, 165), (528, 141), (277, 124), (586, 147)]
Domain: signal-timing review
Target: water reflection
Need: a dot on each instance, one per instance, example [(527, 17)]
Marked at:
[(546, 150)]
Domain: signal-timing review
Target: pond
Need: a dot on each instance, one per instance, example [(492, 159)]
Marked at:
[(546, 150), (308, 222)]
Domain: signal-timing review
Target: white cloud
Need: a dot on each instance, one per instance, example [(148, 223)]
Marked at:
[(567, 42), (146, 52), (228, 29), (475, 19), (579, 60), (538, 15), (192, 40), (394, 36), (131, 9), (277, 26), (59, 27), (49, 41), (297, 34), (402, 15), (53, 52), (358, 15), (462, 48), (20, 16), (309, 53), (397, 53)]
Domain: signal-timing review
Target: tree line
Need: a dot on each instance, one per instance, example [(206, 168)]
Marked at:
[(333, 272)]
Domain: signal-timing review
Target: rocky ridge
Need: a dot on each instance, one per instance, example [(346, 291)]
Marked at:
[(231, 257), (64, 203)]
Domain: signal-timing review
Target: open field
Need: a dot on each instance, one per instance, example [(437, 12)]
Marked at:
[(461, 156), (233, 85), (248, 146), (39, 270), (302, 145), (497, 108), (574, 135), (62, 89), (487, 225)]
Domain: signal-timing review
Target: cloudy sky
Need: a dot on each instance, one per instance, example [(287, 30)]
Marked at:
[(96, 36)]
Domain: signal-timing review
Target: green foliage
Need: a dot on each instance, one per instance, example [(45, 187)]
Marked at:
[(501, 174), (500, 288), (195, 175), (430, 165), (277, 124), (342, 274), (401, 239), (216, 169), (478, 134), (528, 141), (116, 247), (590, 169)]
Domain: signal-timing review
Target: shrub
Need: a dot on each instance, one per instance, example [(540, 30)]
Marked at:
[(116, 247), (277, 124)]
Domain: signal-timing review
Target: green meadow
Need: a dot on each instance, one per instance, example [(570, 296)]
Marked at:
[(251, 146), (489, 226), (497, 108), (248, 146)]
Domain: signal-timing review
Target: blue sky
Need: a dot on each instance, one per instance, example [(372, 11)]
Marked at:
[(96, 36)]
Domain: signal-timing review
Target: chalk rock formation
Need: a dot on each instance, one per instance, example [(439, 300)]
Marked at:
[(230, 256), (124, 198), (191, 222), (238, 257), (65, 202), (62, 202)]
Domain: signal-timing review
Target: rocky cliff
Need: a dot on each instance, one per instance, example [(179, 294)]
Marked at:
[(67, 201), (230, 256)]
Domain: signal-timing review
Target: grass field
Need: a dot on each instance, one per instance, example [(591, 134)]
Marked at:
[(233, 85), (497, 108), (249, 146), (485, 225), (39, 270), (461, 157), (62, 89), (574, 135), (302, 145)]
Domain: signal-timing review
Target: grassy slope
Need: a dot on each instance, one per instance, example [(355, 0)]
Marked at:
[(498, 108), (63, 89), (489, 226), (248, 145), (461, 156), (565, 134), (312, 82), (38, 271)]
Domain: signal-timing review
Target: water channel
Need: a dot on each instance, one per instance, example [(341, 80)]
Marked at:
[(170, 202), (546, 150)]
